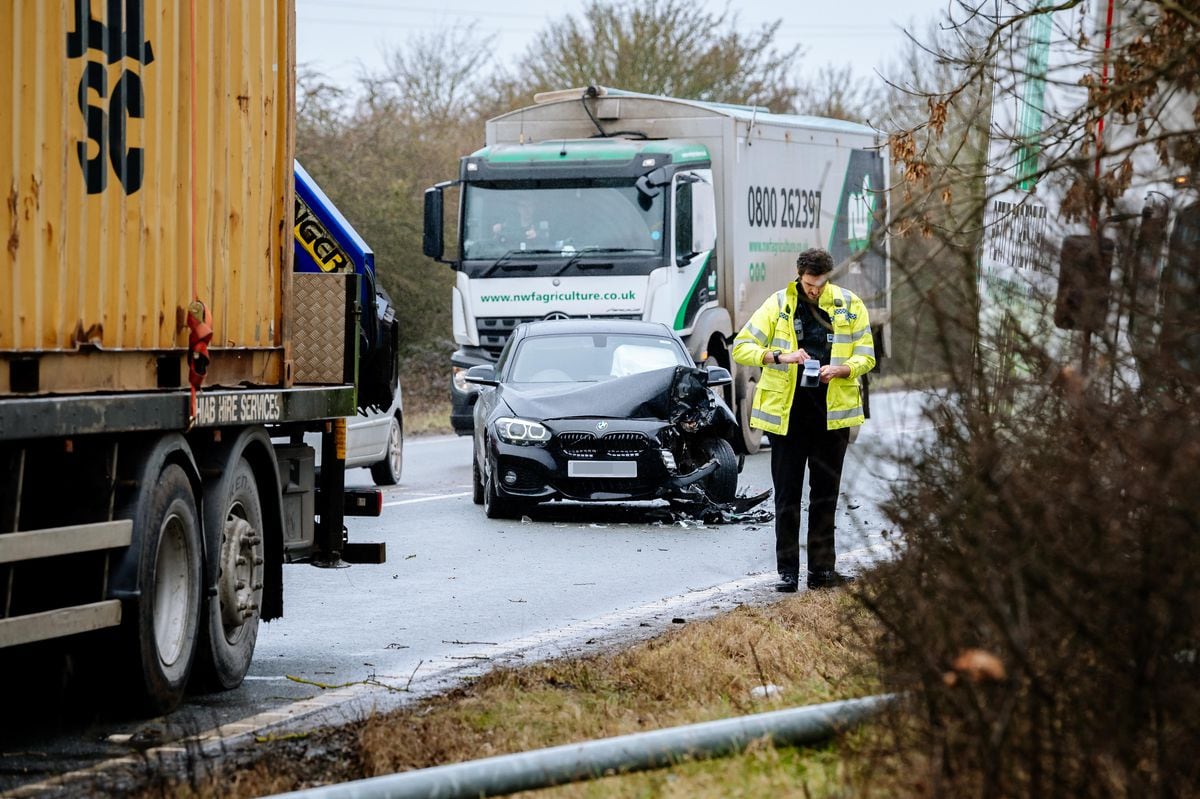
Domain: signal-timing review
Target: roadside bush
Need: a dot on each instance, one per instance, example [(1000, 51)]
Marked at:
[(425, 372), (1043, 610)]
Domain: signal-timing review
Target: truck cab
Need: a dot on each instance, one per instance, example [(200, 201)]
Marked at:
[(608, 228)]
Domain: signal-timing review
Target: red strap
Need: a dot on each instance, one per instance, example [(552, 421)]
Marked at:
[(200, 332)]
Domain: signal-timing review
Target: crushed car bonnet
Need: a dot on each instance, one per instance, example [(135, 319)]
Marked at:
[(671, 394)]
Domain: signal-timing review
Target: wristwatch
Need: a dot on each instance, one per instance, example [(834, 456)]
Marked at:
[(775, 355)]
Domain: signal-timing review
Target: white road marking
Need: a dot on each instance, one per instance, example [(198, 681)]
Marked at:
[(426, 499)]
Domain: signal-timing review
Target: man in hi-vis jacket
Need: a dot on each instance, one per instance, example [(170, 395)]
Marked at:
[(808, 420)]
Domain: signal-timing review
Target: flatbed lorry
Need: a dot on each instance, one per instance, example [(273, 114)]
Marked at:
[(154, 340)]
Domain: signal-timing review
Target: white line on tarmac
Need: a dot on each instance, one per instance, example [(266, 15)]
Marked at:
[(426, 499)]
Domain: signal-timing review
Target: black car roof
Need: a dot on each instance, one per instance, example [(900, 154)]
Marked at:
[(554, 327)]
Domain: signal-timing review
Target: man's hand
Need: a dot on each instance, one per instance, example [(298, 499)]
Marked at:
[(798, 356), (829, 371)]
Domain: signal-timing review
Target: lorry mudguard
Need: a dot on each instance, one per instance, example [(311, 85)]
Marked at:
[(711, 321), (132, 478)]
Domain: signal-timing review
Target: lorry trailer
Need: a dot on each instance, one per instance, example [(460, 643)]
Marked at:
[(154, 339)]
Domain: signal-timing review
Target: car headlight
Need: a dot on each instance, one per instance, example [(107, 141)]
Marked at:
[(521, 431)]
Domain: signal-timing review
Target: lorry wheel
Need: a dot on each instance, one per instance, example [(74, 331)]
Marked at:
[(387, 471), (721, 485), (231, 616), (476, 482), (751, 437), (166, 614)]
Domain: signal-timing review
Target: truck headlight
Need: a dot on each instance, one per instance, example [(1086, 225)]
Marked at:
[(521, 431), (459, 378)]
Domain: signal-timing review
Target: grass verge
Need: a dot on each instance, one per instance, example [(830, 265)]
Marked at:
[(810, 646), (429, 418)]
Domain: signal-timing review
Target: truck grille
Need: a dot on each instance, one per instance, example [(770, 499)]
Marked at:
[(495, 330)]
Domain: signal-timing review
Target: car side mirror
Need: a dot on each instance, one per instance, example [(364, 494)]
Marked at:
[(718, 376), (483, 374)]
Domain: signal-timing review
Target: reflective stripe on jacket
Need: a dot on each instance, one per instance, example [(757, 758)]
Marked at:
[(770, 328)]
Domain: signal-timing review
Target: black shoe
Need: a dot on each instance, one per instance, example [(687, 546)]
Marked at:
[(827, 578), (787, 583)]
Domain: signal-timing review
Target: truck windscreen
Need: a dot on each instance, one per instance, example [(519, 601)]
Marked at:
[(552, 223)]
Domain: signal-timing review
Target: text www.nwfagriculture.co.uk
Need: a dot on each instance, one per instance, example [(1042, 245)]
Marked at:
[(559, 296)]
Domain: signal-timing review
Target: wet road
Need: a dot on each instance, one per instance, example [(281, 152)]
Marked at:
[(460, 593)]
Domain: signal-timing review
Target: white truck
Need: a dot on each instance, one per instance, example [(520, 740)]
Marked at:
[(605, 203), (1062, 273)]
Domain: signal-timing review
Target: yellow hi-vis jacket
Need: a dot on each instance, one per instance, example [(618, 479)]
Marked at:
[(771, 328)]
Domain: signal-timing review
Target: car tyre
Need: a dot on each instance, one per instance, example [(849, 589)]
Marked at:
[(721, 485), (496, 506), (476, 482), (387, 471)]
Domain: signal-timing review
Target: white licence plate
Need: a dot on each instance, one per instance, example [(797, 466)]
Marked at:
[(601, 468)]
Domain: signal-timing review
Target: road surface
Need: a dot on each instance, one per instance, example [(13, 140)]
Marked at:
[(460, 593)]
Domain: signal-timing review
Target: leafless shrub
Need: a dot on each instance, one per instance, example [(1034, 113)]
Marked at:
[(1043, 610)]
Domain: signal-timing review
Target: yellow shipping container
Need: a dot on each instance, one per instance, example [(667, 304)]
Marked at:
[(147, 162)]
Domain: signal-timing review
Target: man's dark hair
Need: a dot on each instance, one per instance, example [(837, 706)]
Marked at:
[(814, 262)]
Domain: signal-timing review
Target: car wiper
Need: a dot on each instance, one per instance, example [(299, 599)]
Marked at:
[(503, 258), (574, 259)]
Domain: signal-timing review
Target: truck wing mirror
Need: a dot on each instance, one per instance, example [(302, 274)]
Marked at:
[(704, 217), (1083, 282), (432, 241)]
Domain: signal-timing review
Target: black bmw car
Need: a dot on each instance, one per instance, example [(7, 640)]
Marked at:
[(598, 410)]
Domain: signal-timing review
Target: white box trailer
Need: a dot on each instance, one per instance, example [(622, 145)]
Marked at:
[(773, 184), (1058, 273)]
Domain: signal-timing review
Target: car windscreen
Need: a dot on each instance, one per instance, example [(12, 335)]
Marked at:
[(585, 357), (549, 222)]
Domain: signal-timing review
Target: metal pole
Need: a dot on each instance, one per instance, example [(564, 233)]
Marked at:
[(541, 768)]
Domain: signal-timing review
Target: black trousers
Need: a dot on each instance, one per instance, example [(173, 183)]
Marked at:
[(807, 444)]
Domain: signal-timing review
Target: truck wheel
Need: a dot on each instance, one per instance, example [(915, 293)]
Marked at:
[(721, 485), (231, 617), (751, 437), (387, 471), (166, 615)]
